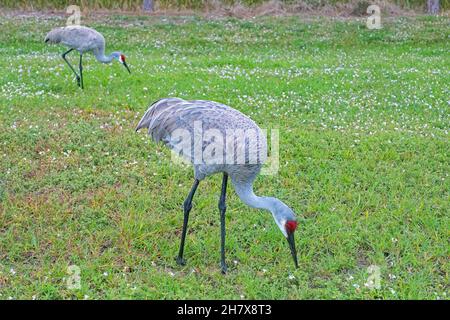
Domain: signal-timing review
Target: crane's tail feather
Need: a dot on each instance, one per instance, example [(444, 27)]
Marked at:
[(152, 114), (146, 119)]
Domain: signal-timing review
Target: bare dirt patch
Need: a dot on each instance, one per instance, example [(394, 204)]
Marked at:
[(215, 9)]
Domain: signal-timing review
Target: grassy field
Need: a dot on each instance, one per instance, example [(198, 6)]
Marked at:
[(136, 5), (194, 4), (363, 118)]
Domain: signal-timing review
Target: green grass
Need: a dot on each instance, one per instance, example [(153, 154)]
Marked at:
[(363, 119)]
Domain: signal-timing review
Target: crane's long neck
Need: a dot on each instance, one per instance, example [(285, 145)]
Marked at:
[(246, 194), (281, 213), (100, 56)]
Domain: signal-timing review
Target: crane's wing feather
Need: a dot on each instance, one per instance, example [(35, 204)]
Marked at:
[(165, 116), (77, 37)]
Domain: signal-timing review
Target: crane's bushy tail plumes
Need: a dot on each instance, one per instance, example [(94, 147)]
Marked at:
[(53, 36), (156, 119), (146, 120)]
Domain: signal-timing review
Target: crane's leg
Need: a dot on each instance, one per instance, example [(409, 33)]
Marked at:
[(81, 70), (73, 70), (222, 208), (187, 209)]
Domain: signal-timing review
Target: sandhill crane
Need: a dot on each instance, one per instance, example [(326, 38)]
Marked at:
[(171, 120), (83, 39)]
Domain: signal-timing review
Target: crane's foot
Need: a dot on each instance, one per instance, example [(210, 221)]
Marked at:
[(223, 267), (181, 261)]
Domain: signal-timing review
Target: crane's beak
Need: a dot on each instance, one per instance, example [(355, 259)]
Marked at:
[(126, 66), (290, 239)]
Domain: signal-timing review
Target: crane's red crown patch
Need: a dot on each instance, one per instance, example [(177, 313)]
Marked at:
[(122, 58), (291, 226)]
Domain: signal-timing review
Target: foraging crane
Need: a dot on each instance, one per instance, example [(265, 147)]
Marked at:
[(171, 120), (83, 39)]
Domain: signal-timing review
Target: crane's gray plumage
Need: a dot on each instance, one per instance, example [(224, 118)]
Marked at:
[(167, 115), (83, 39)]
